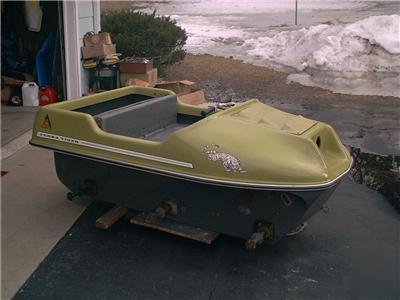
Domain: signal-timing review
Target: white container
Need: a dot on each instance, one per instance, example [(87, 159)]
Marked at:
[(30, 94), (33, 15)]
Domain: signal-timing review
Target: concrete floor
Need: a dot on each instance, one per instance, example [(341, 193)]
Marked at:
[(34, 211), (35, 214), (15, 121)]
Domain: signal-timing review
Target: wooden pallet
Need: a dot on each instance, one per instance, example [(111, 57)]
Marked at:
[(162, 224), (173, 227)]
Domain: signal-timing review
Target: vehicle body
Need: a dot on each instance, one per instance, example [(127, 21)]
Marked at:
[(247, 170)]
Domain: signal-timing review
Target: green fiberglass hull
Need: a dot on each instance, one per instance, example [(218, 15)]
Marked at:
[(248, 169)]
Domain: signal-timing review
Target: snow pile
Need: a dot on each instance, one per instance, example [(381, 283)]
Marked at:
[(203, 33), (235, 7), (380, 30), (369, 45)]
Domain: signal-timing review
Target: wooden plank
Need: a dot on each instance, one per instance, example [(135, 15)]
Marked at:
[(173, 227), (12, 81), (17, 82), (111, 217)]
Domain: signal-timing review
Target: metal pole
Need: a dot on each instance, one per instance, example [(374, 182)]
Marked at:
[(295, 16)]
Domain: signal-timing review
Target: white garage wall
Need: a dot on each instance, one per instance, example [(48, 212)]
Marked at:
[(79, 18), (88, 13)]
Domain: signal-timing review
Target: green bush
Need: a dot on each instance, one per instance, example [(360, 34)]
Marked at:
[(140, 34)]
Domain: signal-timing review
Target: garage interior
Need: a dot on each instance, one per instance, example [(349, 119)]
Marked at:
[(32, 49)]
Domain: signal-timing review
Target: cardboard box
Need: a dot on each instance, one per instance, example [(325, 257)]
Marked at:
[(98, 50), (90, 39), (183, 89), (6, 93), (138, 82), (178, 87), (149, 76), (195, 97), (138, 65)]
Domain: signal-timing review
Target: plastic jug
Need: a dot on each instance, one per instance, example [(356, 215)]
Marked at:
[(30, 94), (33, 15)]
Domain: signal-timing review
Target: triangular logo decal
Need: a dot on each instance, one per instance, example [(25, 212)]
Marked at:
[(46, 122)]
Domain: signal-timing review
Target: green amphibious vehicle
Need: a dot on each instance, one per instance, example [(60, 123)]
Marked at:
[(250, 171)]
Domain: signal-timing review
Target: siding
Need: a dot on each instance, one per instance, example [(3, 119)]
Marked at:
[(87, 11), (86, 18)]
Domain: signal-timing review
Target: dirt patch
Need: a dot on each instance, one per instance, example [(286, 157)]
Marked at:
[(262, 82), (380, 173), (115, 5)]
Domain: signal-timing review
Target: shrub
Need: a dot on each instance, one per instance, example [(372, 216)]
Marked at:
[(140, 34)]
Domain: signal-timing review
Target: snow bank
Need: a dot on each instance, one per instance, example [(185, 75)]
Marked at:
[(380, 30), (229, 7), (203, 33), (369, 45)]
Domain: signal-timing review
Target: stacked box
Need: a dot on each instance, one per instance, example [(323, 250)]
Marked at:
[(98, 50), (133, 69), (150, 77), (137, 65)]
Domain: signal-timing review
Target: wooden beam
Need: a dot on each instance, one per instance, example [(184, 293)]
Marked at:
[(111, 217), (176, 228)]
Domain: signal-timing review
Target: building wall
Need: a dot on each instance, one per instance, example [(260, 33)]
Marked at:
[(89, 20), (79, 18)]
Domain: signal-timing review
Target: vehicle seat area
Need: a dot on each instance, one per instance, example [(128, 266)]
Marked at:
[(142, 119)]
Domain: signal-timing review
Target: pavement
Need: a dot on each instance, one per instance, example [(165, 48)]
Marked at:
[(351, 252)]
